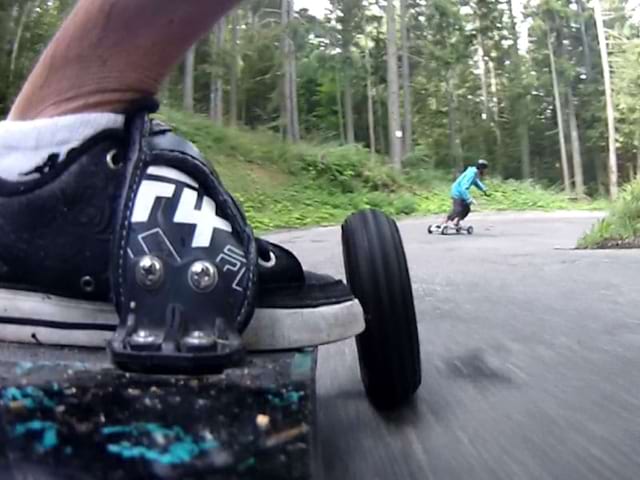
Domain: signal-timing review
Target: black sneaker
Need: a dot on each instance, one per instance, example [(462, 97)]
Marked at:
[(131, 240)]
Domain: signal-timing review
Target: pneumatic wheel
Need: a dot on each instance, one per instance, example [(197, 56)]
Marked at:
[(378, 275), (470, 230)]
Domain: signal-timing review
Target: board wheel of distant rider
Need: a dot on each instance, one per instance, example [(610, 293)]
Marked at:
[(377, 272), (446, 230), (431, 229)]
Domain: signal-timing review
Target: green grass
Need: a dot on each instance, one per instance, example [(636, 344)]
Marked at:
[(290, 186), (621, 228)]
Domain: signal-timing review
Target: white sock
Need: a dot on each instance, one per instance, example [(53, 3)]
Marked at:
[(26, 145)]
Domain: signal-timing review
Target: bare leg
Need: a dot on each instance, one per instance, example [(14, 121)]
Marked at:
[(451, 217), (111, 52)]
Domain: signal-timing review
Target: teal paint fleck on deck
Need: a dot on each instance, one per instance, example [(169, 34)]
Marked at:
[(26, 367), (247, 464), (291, 398), (301, 365), (174, 446), (48, 431), (30, 397)]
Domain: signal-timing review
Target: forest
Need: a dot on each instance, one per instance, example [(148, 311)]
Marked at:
[(543, 89)]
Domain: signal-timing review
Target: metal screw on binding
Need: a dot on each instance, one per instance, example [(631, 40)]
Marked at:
[(199, 339), (150, 272), (142, 337), (203, 276)]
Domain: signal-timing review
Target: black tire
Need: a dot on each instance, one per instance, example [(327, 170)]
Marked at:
[(389, 348), (444, 230), (470, 230), (430, 229)]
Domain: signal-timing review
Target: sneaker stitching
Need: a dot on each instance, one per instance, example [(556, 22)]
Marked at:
[(138, 168)]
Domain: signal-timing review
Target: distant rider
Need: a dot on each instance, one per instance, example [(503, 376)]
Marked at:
[(462, 200)]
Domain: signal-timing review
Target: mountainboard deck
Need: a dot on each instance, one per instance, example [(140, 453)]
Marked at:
[(68, 414)]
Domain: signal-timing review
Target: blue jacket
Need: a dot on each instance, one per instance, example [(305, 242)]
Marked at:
[(470, 178)]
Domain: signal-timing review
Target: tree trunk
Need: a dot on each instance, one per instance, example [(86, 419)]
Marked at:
[(494, 94), (233, 72), (496, 117), (348, 107), (347, 67), (6, 24), (560, 117), (295, 121), (395, 132), (343, 138), (522, 103), (589, 156), (588, 61), (482, 67), (28, 6), (525, 148), (598, 165), (290, 104), (379, 105), (637, 153), (578, 175), (189, 65), (287, 103), (371, 118), (216, 111), (455, 146), (611, 123), (293, 70), (406, 78), (219, 81)]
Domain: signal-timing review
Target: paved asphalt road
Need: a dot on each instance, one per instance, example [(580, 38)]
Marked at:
[(530, 354)]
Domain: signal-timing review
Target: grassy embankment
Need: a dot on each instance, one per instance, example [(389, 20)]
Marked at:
[(621, 228), (289, 186)]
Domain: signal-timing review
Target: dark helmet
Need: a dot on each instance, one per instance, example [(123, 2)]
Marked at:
[(482, 164)]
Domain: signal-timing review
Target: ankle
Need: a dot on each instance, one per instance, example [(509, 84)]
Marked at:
[(25, 146)]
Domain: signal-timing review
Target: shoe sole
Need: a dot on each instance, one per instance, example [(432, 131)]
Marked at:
[(35, 318)]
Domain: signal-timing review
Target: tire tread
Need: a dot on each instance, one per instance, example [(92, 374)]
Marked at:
[(377, 271)]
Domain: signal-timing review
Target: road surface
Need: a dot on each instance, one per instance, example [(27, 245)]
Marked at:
[(530, 355)]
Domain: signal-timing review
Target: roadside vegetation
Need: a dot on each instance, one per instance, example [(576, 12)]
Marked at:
[(621, 228), (282, 185)]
